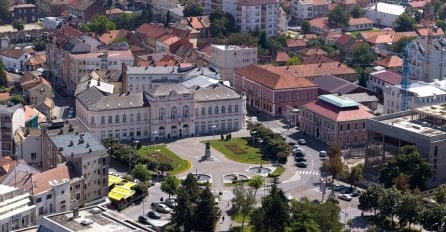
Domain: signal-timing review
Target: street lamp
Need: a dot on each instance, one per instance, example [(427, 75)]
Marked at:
[(143, 203), (260, 142), (213, 130), (153, 136), (253, 133), (293, 113)]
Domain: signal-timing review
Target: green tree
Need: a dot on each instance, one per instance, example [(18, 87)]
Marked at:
[(190, 186), (206, 213), (389, 201), (408, 162), (4, 10), (338, 16), (125, 21), (405, 22), (241, 39), (39, 45), (363, 77), (440, 195), (356, 174), (334, 165), (358, 12), (221, 24), (184, 212), (370, 199), (256, 182), (243, 202), (306, 27), (17, 99), (170, 185), (192, 9), (141, 189), (18, 24), (398, 47), (263, 40), (109, 4), (145, 16), (99, 25), (432, 217), (140, 172), (165, 167), (362, 56), (273, 216), (408, 209), (294, 60), (3, 78)]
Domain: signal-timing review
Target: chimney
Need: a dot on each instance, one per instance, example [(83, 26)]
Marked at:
[(124, 78), (99, 83)]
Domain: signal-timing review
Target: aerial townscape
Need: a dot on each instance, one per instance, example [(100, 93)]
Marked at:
[(222, 115)]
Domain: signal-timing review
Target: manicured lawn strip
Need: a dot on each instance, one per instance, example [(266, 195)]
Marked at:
[(252, 155), (279, 171), (238, 217), (179, 164)]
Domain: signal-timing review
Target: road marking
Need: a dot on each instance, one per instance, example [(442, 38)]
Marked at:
[(305, 172)]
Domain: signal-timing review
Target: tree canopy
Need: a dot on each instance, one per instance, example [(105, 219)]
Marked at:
[(338, 16), (18, 24), (192, 9), (222, 24), (358, 12), (398, 46), (405, 22), (3, 79), (408, 162), (4, 10), (274, 214), (243, 202), (99, 25), (170, 185), (140, 172), (306, 27)]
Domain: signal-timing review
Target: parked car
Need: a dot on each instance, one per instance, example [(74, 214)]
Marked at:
[(295, 150), (322, 154), (300, 159), (301, 164), (301, 141), (355, 193), (154, 215), (345, 197), (338, 188), (299, 154), (291, 143), (171, 203), (162, 208), (143, 219)]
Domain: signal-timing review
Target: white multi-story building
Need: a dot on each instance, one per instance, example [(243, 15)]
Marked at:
[(384, 14), (228, 58), (420, 94), (210, 5), (262, 15), (84, 63), (301, 10), (140, 79), (28, 145), (164, 111), (16, 209), (424, 65), (11, 118)]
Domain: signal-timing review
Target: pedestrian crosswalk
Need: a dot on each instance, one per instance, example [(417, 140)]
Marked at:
[(310, 173)]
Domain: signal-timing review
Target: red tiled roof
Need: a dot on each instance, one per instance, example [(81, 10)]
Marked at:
[(114, 11), (296, 43), (417, 4), (64, 34), (344, 39), (282, 56), (321, 22), (273, 77), (337, 114), (311, 70), (313, 51), (320, 2), (310, 36), (5, 96), (316, 59), (390, 62), (358, 21), (425, 32), (58, 175), (151, 30), (168, 39), (348, 2), (110, 36), (390, 77), (13, 53)]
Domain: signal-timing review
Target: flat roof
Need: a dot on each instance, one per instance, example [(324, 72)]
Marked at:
[(338, 100), (6, 189), (426, 90), (388, 8), (90, 219), (407, 123), (77, 143)]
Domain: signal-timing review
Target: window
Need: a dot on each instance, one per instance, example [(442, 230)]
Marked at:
[(341, 128), (229, 109), (138, 117), (102, 120), (131, 117), (38, 200), (138, 131), (92, 120), (124, 132), (124, 118), (161, 114), (348, 127), (236, 109), (236, 124), (117, 133), (33, 155), (196, 111), (132, 132), (216, 110), (222, 125), (110, 119), (185, 111), (203, 111), (210, 110), (356, 126), (173, 112), (117, 119), (49, 196)]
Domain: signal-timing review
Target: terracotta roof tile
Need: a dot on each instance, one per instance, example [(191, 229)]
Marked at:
[(273, 77), (291, 43), (41, 181), (320, 2), (13, 53), (321, 22), (151, 30), (390, 62), (417, 4), (338, 114), (114, 11), (313, 51), (110, 36), (282, 56), (320, 69), (358, 21), (425, 32), (390, 77), (344, 39), (5, 96)]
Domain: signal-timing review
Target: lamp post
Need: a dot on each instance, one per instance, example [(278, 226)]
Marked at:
[(143, 203), (213, 130), (260, 142), (293, 113), (153, 136), (253, 137)]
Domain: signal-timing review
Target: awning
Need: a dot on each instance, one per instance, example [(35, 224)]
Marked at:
[(119, 192), (128, 185), (114, 180)]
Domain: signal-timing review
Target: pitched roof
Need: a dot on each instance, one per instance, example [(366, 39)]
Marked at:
[(425, 32), (291, 43), (390, 77), (311, 70), (317, 59), (110, 36), (332, 84), (390, 62), (151, 30), (313, 51), (216, 92), (320, 2), (44, 181), (198, 22), (344, 39), (338, 114), (417, 4), (95, 100), (5, 96), (273, 77), (13, 53), (358, 21), (168, 39), (30, 113), (321, 22), (64, 34), (348, 2), (282, 56), (114, 11)]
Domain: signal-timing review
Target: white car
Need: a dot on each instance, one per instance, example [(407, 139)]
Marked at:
[(345, 197), (162, 208)]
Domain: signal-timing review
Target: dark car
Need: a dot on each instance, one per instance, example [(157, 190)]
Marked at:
[(299, 154), (143, 219), (301, 164), (154, 215), (355, 193), (338, 188), (300, 159)]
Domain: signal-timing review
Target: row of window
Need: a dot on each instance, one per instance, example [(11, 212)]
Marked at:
[(118, 119), (216, 125), (123, 133), (173, 112), (217, 110)]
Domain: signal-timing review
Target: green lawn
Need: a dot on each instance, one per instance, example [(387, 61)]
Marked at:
[(242, 146), (239, 218), (279, 171), (161, 153), (355, 34)]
